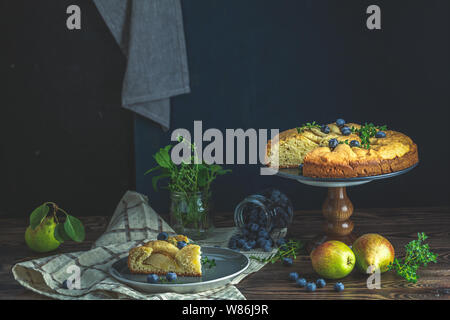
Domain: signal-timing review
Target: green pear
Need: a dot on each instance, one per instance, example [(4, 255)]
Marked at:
[(374, 250), (333, 260), (42, 238)]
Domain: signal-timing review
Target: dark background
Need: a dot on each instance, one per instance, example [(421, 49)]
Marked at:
[(253, 64)]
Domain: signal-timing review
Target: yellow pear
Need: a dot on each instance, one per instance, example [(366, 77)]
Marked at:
[(42, 238)]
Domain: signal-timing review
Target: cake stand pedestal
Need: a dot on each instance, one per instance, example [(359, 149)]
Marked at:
[(337, 207)]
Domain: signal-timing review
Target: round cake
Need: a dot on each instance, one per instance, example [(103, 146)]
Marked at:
[(340, 150)]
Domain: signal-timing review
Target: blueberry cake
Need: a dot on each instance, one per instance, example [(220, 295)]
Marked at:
[(162, 256), (342, 150)]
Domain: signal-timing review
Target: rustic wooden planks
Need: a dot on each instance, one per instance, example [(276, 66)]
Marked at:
[(399, 225)]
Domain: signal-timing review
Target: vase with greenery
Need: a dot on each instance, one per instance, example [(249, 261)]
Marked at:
[(189, 184)]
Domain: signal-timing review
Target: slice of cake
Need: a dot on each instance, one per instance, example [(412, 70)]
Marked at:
[(160, 257)]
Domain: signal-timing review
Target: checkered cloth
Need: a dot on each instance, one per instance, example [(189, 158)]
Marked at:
[(134, 222)]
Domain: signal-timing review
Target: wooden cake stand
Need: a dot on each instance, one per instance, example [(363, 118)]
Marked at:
[(337, 208)]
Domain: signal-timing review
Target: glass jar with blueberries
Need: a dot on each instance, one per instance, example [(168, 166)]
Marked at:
[(262, 219)]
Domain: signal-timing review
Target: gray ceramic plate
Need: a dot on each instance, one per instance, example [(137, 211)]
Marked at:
[(229, 264)]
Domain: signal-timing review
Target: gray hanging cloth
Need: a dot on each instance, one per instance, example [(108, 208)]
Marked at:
[(151, 35)]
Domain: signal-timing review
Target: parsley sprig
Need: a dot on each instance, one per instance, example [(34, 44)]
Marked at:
[(367, 131), (417, 254), (308, 125), (208, 263), (288, 250)]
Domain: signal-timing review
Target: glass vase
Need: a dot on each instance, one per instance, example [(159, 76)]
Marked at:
[(190, 214)]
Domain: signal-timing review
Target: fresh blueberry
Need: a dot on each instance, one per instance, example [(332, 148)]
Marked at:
[(171, 276), (300, 167), (64, 284), (253, 227), (251, 244), (246, 247), (152, 278), (287, 261), (355, 143), (321, 283), (241, 243), (162, 236), (263, 234), (325, 129), (333, 143), (301, 282), (245, 232), (380, 134), (339, 286), (267, 247), (340, 122), (346, 131), (275, 194), (181, 244), (281, 242), (310, 286), (293, 276)]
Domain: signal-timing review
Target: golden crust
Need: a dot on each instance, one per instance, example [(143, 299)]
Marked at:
[(393, 153)]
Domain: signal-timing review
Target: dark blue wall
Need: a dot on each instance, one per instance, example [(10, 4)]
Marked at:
[(253, 64), (278, 64)]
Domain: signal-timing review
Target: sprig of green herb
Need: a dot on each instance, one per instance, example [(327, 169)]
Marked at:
[(308, 126), (208, 263), (190, 176), (288, 250), (343, 142), (417, 254), (367, 131)]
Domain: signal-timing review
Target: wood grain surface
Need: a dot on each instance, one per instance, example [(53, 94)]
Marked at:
[(399, 225)]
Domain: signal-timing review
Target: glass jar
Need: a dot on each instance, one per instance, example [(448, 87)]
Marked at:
[(270, 209), (190, 214)]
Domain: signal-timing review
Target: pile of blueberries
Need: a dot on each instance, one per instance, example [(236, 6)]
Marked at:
[(154, 278), (256, 231), (312, 286)]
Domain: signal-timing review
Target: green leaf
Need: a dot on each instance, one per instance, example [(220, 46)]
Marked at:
[(60, 234), (155, 180), (162, 157), (74, 228), (151, 170), (38, 215)]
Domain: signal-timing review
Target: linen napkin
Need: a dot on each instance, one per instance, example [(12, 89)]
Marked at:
[(151, 35), (133, 223)]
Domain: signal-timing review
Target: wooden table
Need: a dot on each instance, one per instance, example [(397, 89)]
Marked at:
[(399, 225)]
